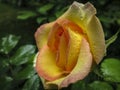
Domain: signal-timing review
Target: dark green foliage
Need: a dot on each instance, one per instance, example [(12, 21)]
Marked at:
[(8, 43), (16, 70), (79, 85), (45, 8), (111, 69), (118, 87), (44, 12), (98, 85), (112, 39), (22, 55), (32, 83), (26, 73), (22, 17)]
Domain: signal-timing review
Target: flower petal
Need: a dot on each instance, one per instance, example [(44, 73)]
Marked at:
[(54, 36), (73, 49), (96, 39), (48, 86), (62, 52), (41, 35), (55, 82), (66, 23), (46, 64), (84, 16), (81, 69), (73, 38)]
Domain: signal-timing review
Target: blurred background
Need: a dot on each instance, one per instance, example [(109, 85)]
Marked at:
[(19, 20)]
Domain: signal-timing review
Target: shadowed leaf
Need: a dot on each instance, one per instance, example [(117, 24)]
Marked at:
[(8, 43), (23, 55)]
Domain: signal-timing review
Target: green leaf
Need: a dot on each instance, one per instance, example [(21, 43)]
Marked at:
[(40, 19), (97, 71), (16, 70), (32, 83), (118, 87), (58, 13), (98, 85), (8, 43), (26, 73), (8, 78), (51, 19), (118, 21), (106, 19), (112, 39), (4, 66), (61, 11), (5, 82), (31, 60), (45, 8), (23, 15), (111, 69), (79, 85), (23, 55), (102, 2)]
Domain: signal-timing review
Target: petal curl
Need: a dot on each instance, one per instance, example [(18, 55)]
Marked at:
[(84, 16), (66, 24), (41, 35), (46, 64), (81, 69)]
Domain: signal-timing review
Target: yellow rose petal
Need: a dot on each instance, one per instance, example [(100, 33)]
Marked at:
[(96, 39), (73, 49), (41, 35), (46, 64), (85, 43), (81, 69), (84, 16)]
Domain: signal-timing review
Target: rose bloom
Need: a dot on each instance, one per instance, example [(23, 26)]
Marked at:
[(69, 46)]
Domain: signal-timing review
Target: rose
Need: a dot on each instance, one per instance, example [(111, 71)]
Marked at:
[(69, 46)]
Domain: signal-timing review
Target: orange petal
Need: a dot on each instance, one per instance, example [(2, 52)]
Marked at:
[(46, 65), (61, 57), (41, 35), (54, 36), (73, 49), (81, 69), (66, 23)]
